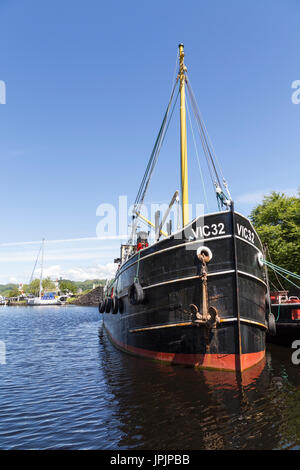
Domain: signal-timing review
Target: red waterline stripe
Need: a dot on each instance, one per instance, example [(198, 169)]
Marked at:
[(207, 361)]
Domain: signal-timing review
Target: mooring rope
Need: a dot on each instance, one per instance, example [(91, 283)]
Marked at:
[(282, 272), (269, 255)]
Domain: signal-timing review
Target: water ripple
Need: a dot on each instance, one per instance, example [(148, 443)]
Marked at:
[(64, 386)]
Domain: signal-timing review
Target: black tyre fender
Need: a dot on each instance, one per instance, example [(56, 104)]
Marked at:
[(268, 302), (271, 324), (101, 306), (108, 304), (121, 306), (114, 305), (136, 294)]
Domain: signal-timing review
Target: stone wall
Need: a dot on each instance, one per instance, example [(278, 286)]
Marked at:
[(91, 298)]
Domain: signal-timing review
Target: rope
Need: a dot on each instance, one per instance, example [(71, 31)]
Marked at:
[(275, 287), (156, 148), (138, 206), (298, 287), (153, 159), (198, 117), (136, 278), (279, 269), (282, 272), (205, 150), (269, 254), (209, 154), (210, 142)]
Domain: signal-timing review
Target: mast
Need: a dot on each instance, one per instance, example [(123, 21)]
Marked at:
[(183, 141), (42, 263)]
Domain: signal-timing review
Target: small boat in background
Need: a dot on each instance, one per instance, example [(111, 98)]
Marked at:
[(43, 298), (46, 299), (286, 310)]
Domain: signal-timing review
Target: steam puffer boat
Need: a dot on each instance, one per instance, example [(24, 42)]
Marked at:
[(196, 296)]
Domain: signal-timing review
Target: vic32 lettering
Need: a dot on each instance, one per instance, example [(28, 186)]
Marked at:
[(245, 233), (209, 230)]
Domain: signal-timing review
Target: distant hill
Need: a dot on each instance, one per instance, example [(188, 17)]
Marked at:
[(6, 288)]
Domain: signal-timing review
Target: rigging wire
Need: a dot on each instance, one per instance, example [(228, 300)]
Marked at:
[(31, 277), (278, 280), (286, 279), (198, 160), (174, 83), (222, 199), (175, 70), (197, 115), (279, 269), (155, 149), (213, 164), (275, 287), (158, 150), (212, 147), (282, 272), (205, 151), (153, 159)]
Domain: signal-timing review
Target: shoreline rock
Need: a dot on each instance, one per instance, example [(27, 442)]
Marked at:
[(92, 298)]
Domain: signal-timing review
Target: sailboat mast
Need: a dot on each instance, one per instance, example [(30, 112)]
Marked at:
[(183, 141), (42, 265)]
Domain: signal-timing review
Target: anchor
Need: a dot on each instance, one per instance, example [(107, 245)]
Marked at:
[(209, 315)]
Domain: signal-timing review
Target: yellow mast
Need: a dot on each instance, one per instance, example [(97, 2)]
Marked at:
[(183, 141)]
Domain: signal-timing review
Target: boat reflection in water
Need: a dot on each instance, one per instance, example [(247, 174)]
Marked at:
[(161, 406)]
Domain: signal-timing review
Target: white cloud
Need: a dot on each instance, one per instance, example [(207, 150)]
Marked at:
[(72, 261), (59, 255), (99, 271), (67, 240), (257, 196), (251, 198)]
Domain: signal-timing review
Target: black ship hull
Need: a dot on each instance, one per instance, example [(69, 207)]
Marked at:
[(168, 323)]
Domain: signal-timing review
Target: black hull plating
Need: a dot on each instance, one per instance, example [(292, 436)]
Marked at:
[(169, 271)]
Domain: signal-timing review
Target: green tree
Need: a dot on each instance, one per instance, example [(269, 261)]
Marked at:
[(14, 292), (277, 222), (25, 288), (67, 286), (34, 287), (47, 284)]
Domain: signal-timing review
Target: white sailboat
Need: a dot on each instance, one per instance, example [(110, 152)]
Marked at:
[(42, 299)]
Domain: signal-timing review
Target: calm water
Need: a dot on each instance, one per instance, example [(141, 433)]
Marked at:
[(65, 386)]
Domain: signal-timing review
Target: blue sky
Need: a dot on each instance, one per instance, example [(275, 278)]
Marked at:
[(87, 84)]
